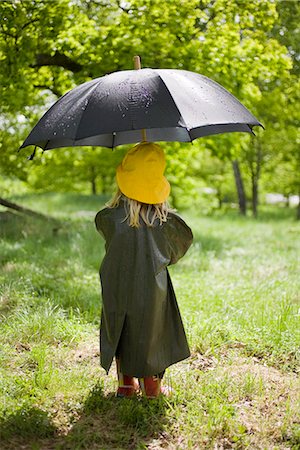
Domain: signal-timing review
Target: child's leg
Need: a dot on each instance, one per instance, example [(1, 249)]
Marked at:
[(127, 385)]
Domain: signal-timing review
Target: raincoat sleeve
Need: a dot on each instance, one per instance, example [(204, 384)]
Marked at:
[(179, 237), (100, 223)]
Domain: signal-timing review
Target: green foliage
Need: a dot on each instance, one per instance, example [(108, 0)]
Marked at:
[(287, 30), (251, 48)]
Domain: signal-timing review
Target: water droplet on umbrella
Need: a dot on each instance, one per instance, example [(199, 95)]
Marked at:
[(54, 133)]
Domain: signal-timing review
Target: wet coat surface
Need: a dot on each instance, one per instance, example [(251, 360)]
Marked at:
[(140, 316)]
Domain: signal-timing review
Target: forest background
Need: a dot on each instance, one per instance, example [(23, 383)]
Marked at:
[(238, 286), (251, 48)]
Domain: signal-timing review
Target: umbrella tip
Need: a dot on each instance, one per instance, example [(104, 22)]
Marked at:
[(30, 158), (137, 62)]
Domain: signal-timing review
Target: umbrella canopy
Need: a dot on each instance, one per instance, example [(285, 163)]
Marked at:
[(170, 104)]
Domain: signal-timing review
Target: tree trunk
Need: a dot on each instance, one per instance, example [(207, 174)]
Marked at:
[(220, 199), (240, 187), (93, 181), (254, 194), (174, 200), (298, 207), (94, 188), (255, 167)]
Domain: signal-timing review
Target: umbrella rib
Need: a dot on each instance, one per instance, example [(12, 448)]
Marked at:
[(171, 96), (113, 140)]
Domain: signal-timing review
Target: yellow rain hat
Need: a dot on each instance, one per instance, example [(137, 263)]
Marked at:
[(140, 176)]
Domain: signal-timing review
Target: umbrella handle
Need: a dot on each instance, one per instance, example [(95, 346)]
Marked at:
[(137, 62), (137, 66), (144, 135)]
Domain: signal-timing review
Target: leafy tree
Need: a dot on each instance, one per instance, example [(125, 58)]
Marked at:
[(287, 31), (281, 143), (216, 175), (64, 43), (46, 48), (244, 57), (88, 169)]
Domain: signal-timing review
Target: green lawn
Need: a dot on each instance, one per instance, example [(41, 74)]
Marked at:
[(238, 289)]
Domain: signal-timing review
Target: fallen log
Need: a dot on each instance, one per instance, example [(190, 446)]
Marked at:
[(23, 210)]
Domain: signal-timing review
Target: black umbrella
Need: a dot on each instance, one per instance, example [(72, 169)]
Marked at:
[(133, 105)]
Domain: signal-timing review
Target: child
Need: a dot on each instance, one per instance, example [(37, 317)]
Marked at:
[(140, 323)]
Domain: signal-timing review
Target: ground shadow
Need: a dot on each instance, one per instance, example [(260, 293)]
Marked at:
[(24, 428), (109, 422), (105, 422)]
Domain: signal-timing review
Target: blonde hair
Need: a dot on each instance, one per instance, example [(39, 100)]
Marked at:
[(135, 210)]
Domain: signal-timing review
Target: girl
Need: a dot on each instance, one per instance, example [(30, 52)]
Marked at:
[(140, 323)]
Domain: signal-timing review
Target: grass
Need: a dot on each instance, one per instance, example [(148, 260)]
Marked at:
[(238, 289)]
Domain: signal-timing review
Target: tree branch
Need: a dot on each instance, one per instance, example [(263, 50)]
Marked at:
[(29, 23), (122, 7), (58, 59), (49, 88)]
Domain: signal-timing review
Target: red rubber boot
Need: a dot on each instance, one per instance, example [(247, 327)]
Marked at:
[(128, 386), (150, 386)]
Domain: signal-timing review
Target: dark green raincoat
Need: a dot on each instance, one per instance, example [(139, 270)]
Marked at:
[(140, 319)]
